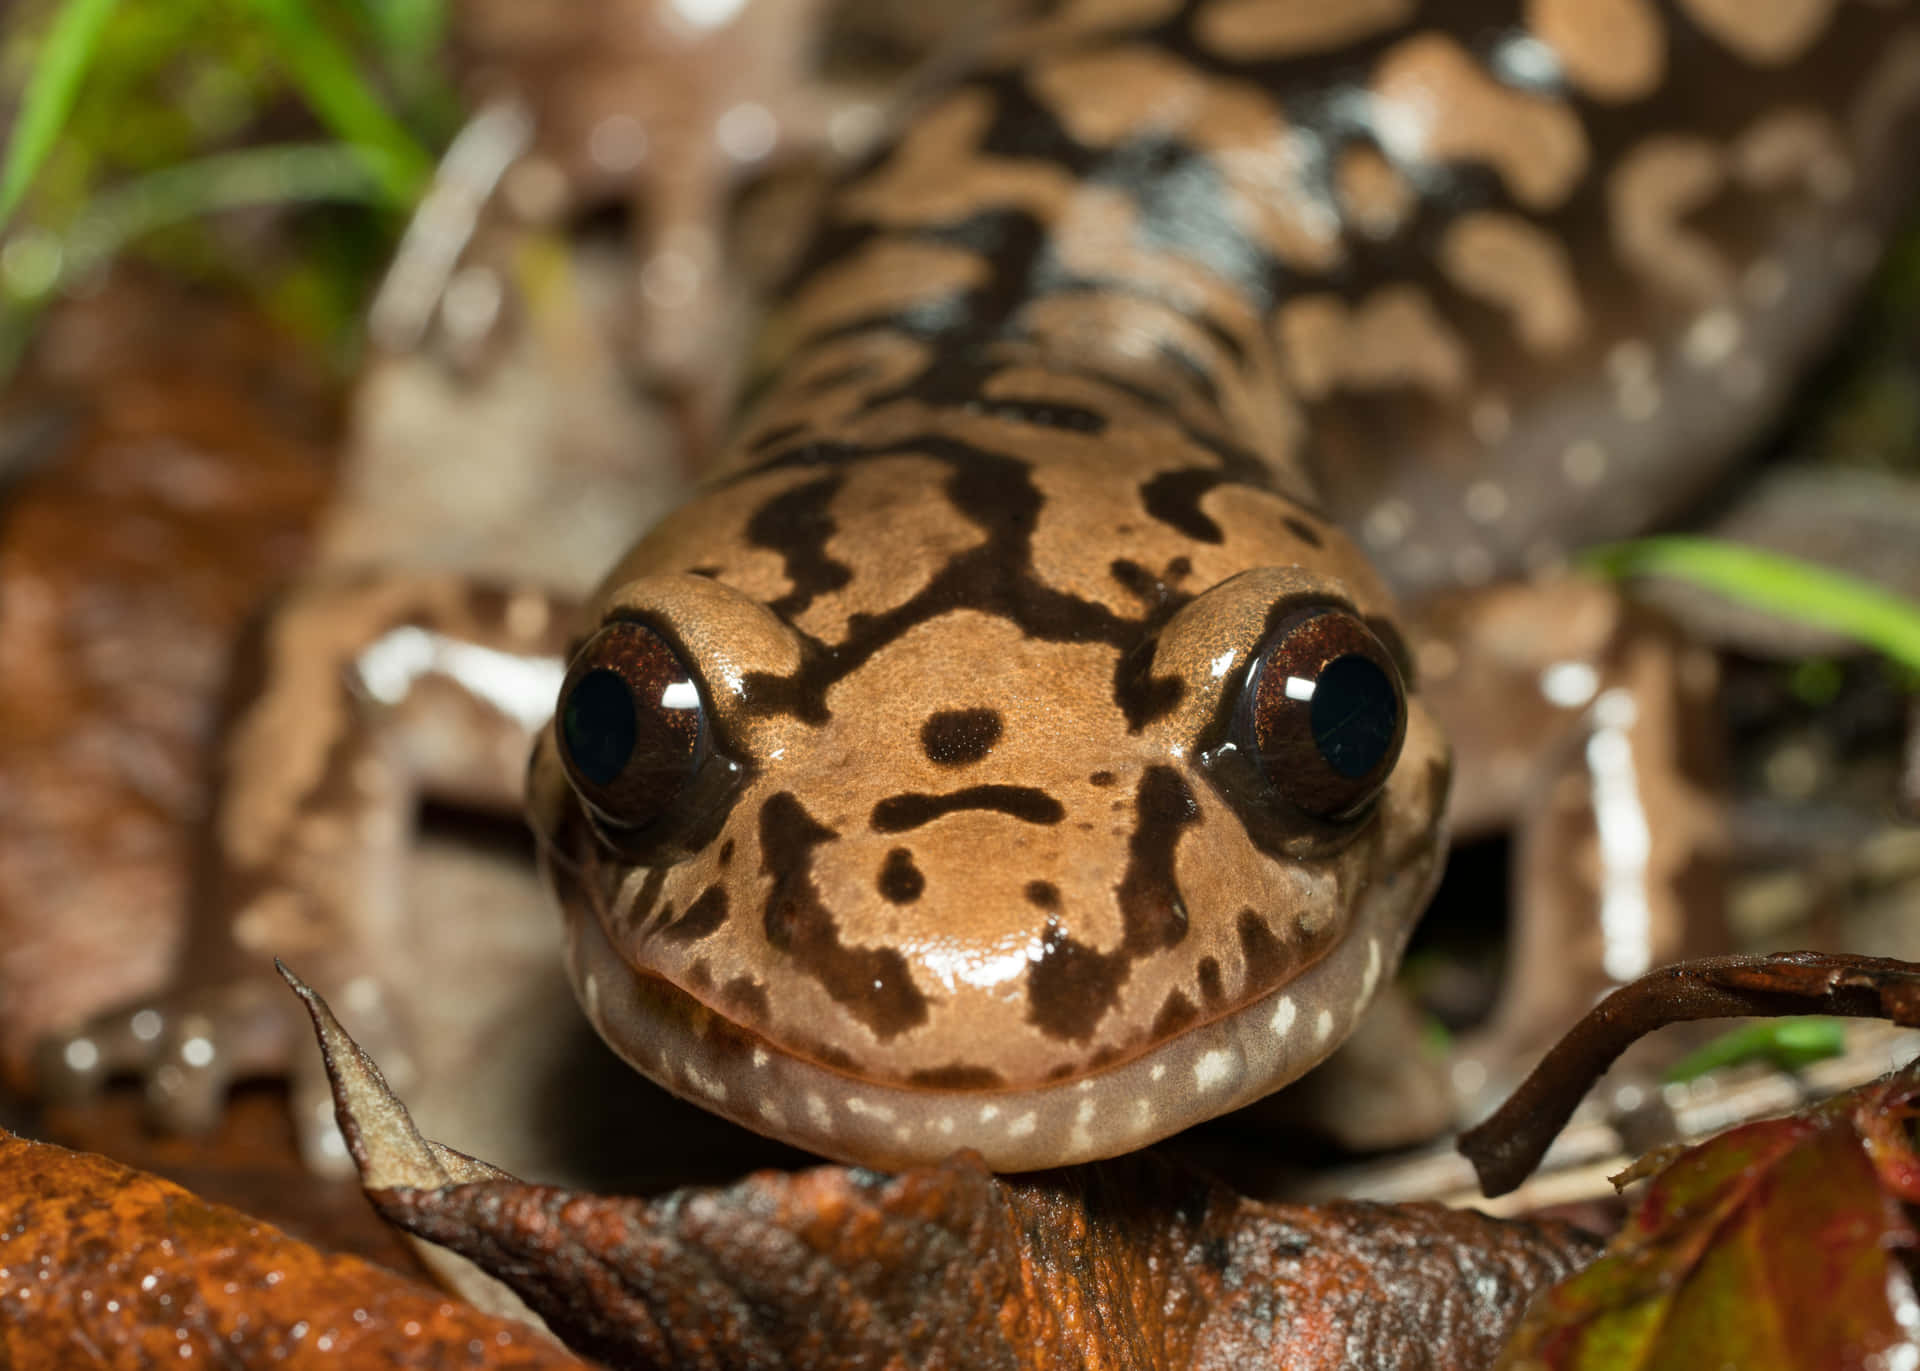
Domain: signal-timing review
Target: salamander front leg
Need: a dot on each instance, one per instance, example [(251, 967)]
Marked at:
[(1585, 725), (354, 699)]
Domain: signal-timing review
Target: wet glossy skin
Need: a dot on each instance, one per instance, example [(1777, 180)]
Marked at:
[(1036, 465)]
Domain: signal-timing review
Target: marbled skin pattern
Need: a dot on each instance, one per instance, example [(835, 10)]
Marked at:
[(1079, 382)]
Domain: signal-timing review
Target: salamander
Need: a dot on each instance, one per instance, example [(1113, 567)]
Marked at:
[(1018, 743)]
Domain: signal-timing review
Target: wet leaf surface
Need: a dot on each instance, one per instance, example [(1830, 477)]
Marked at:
[(107, 1267), (1781, 1244)]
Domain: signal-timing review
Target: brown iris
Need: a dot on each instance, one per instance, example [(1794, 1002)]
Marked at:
[(630, 724), (1324, 712)]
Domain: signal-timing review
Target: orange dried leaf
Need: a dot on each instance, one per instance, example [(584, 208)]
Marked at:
[(108, 1267)]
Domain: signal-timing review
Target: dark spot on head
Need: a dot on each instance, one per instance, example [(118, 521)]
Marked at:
[(1211, 991), (1179, 568), (745, 999), (1265, 957), (1175, 1014), (957, 1077), (798, 524), (1044, 894), (874, 985), (1154, 914), (726, 852), (700, 975), (703, 918), (901, 813), (1173, 497), (1070, 987), (1102, 779), (1303, 530), (956, 737), (900, 880), (711, 573)]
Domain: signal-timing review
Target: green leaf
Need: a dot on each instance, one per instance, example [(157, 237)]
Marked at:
[(1772, 1247), (1781, 585), (1787, 1043), (61, 62), (326, 75)]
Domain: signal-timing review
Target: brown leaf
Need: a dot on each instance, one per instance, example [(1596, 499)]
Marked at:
[(1129, 1263), (108, 1267), (1775, 1245)]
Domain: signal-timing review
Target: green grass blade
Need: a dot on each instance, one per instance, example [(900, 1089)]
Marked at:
[(326, 75), (1780, 585), (58, 67), (288, 174)]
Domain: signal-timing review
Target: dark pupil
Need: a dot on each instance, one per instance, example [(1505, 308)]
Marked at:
[(598, 722), (1354, 715)]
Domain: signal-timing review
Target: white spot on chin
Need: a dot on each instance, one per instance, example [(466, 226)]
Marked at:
[(773, 1114), (988, 1113), (1372, 976), (1569, 684), (1213, 1070), (1283, 1016), (818, 1112), (946, 1125), (1024, 1125), (1323, 1026), (706, 1085), (866, 1109), (1158, 1073), (760, 1059)]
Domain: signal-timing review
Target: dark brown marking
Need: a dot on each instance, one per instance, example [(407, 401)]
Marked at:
[(746, 999), (1043, 894), (1266, 958), (1071, 987), (704, 917), (1303, 530), (902, 813), (1212, 993), (1174, 499), (797, 525), (1150, 903), (957, 737), (957, 1077), (900, 880), (1103, 779), (874, 985), (726, 852), (1176, 1012)]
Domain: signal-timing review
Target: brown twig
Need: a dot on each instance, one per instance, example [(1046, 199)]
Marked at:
[(1506, 1147)]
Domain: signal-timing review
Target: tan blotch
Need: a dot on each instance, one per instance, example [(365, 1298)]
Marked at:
[(1393, 339), (1767, 33), (938, 172), (1436, 103), (1612, 49), (1794, 145), (1522, 269), (1375, 198), (1251, 30), (887, 276), (1105, 98), (1653, 190)]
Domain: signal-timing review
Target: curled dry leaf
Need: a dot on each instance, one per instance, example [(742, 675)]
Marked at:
[(1782, 1244), (1129, 1263), (107, 1267)]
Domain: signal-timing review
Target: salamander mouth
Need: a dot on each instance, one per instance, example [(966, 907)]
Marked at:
[(685, 1046)]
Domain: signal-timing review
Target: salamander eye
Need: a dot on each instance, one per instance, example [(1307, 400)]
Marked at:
[(1323, 712), (631, 724)]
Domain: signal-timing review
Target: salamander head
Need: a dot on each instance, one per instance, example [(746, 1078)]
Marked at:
[(890, 832)]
